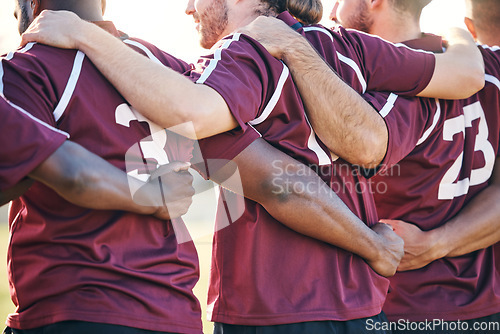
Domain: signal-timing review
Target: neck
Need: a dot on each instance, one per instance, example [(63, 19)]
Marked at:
[(244, 14), (396, 27), (86, 10)]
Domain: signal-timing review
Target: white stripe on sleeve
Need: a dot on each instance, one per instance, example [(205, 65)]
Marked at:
[(217, 56), (70, 86), (274, 99), (391, 100), (427, 133)]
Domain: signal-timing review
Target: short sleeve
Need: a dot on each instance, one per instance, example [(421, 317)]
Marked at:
[(386, 66), (26, 82), (490, 94), (26, 143), (238, 72), (407, 120), (216, 151)]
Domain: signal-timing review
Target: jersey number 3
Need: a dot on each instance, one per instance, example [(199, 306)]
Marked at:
[(450, 187)]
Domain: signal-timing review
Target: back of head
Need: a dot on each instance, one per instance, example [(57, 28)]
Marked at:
[(486, 15), (305, 11), (412, 7)]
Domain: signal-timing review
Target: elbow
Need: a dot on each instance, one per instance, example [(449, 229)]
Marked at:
[(479, 79), (372, 154), (474, 81), (286, 190), (192, 123), (74, 181)]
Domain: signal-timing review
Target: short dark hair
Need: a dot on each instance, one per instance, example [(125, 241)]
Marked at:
[(413, 7), (305, 11), (486, 14)]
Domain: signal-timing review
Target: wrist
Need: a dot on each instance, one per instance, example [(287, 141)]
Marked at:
[(439, 245), (86, 36), (295, 44), (376, 248)]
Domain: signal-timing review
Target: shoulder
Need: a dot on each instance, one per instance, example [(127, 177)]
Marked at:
[(239, 53), (491, 56), (157, 55)]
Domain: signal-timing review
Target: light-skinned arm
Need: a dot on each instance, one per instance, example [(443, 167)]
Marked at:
[(85, 179), (141, 81), (477, 226), (346, 123), (300, 200)]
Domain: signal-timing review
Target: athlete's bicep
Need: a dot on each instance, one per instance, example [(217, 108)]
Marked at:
[(215, 116)]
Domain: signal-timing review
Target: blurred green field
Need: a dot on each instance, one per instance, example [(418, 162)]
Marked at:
[(203, 245)]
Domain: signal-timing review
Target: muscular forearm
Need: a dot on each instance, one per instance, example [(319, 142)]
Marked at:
[(459, 72), (295, 195), (86, 180), (476, 227), (345, 122), (161, 94)]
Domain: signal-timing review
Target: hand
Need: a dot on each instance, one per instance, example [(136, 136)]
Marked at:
[(388, 258), (173, 184), (275, 35), (56, 28), (420, 247)]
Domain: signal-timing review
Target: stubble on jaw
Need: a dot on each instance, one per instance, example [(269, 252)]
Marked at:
[(360, 20), (213, 22)]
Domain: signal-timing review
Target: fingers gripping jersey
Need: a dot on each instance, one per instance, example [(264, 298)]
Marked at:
[(99, 266)]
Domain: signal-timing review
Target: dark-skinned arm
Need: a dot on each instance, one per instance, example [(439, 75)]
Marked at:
[(85, 179), (316, 211)]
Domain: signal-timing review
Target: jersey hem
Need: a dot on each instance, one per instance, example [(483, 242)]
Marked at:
[(290, 318), (105, 318), (448, 315)]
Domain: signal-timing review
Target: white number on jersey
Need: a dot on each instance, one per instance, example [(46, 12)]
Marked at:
[(449, 188), (151, 147)]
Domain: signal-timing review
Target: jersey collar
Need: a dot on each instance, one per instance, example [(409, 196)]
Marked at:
[(290, 20), (110, 27), (427, 42)]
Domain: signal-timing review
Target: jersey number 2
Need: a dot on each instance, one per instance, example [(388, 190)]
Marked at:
[(450, 187)]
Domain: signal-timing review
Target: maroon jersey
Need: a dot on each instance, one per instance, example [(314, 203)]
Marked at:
[(71, 263), (262, 272), (26, 142), (367, 62), (451, 147)]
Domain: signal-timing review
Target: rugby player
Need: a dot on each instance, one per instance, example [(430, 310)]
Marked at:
[(76, 270), (228, 78), (456, 203), (430, 185), (78, 175), (48, 308)]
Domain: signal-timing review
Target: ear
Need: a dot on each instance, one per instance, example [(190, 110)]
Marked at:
[(471, 27), (375, 4), (35, 7)]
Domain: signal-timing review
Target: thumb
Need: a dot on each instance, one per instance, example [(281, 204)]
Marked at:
[(175, 166), (27, 37)]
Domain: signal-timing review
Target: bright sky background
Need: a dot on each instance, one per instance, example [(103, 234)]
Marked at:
[(163, 22)]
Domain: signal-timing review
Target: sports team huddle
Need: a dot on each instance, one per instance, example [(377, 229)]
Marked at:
[(357, 168)]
